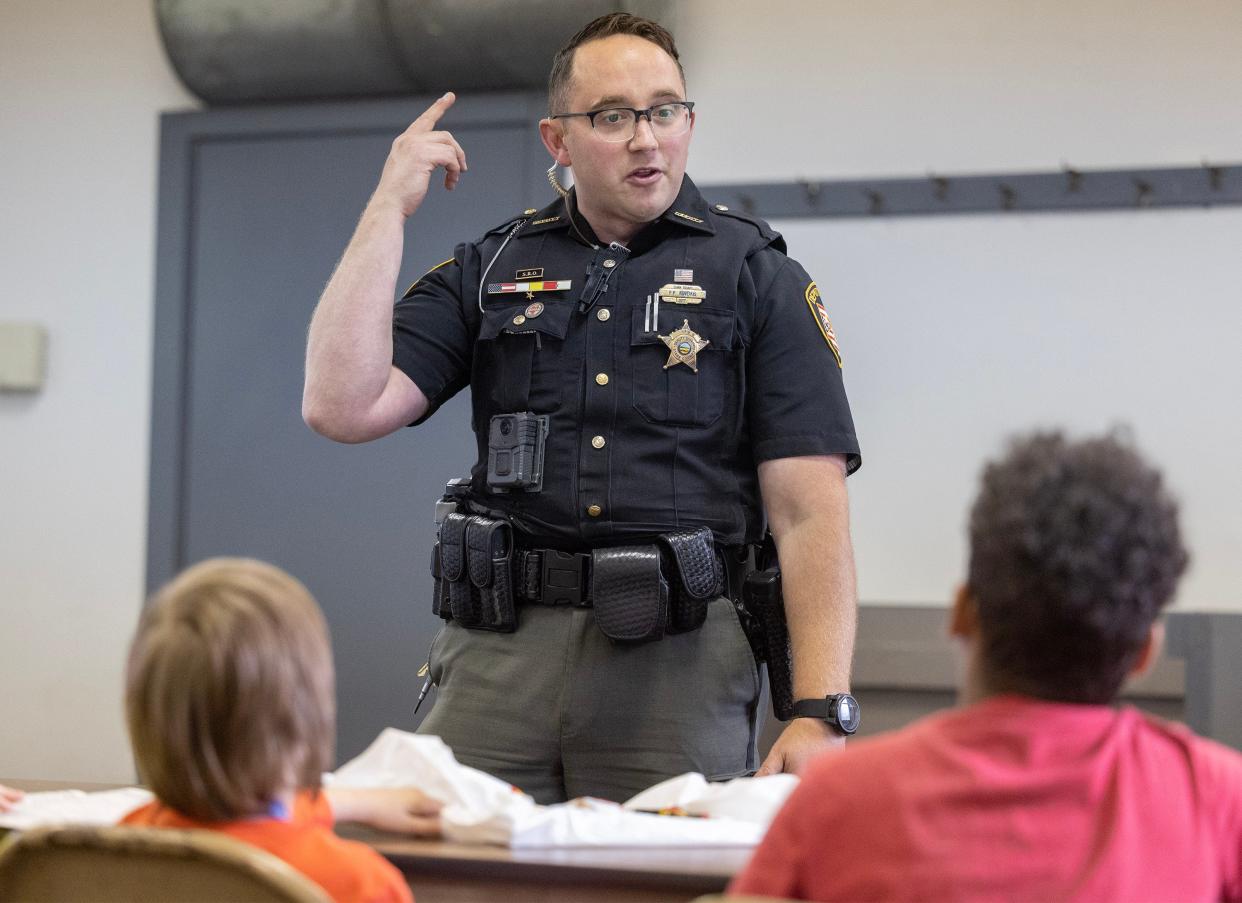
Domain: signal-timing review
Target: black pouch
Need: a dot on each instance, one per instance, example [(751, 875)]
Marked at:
[(629, 593), (463, 596), (489, 553), (700, 577), (440, 605)]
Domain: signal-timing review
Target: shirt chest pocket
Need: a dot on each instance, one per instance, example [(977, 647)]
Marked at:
[(518, 356), (682, 381)]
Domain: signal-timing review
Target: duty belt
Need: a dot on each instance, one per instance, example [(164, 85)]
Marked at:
[(553, 577), (483, 569)]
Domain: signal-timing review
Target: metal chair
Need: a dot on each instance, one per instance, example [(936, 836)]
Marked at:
[(144, 865)]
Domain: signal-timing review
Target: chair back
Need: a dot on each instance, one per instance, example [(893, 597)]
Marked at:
[(145, 865)]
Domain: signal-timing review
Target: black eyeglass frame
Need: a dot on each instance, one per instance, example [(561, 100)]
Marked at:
[(638, 114)]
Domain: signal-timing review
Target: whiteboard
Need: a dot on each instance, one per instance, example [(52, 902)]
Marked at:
[(958, 331)]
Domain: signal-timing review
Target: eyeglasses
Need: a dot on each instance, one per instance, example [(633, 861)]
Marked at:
[(668, 120)]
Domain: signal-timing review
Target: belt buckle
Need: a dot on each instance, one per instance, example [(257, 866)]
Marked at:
[(562, 578)]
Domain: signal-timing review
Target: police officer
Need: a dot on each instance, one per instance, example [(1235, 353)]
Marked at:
[(685, 374)]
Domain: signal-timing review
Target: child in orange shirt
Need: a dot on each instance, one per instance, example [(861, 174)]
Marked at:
[(231, 711)]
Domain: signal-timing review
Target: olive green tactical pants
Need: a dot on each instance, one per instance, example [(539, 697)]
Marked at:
[(560, 711)]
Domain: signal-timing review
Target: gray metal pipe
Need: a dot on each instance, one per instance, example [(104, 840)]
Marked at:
[(252, 51)]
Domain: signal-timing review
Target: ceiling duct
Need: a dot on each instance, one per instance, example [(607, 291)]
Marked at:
[(253, 51)]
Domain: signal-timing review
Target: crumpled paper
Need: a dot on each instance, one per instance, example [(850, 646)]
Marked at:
[(480, 808)]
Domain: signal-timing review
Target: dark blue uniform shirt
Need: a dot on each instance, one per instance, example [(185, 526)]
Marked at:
[(635, 447)]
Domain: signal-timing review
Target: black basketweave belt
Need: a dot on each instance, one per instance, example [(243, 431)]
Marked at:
[(553, 577), (638, 592)]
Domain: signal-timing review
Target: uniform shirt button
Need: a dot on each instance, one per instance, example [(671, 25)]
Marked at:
[(609, 263), (601, 379), (595, 511), (602, 314), (598, 441), (519, 320)]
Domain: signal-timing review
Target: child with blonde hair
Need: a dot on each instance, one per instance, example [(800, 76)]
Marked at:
[(231, 708)]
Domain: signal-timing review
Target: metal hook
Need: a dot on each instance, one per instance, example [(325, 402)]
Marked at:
[(1073, 179), (877, 202), (812, 191), (1216, 176), (1009, 197)]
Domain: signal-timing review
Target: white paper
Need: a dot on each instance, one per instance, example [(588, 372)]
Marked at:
[(480, 808), (104, 807)]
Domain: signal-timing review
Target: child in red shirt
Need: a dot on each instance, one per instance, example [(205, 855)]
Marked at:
[(1037, 787)]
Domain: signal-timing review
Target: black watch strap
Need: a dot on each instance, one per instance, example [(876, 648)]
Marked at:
[(839, 711)]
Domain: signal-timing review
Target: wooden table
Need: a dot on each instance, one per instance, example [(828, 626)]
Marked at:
[(440, 872), (456, 873)]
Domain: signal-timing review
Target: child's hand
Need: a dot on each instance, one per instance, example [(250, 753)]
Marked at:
[(404, 810), (9, 797)]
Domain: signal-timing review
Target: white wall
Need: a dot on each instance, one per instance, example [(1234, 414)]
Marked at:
[(796, 88), (786, 89), (959, 331), (81, 83)]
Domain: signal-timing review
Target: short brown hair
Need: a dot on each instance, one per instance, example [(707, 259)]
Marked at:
[(229, 690), (604, 27), (1074, 550)]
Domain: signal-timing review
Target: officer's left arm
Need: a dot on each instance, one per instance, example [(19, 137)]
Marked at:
[(808, 514)]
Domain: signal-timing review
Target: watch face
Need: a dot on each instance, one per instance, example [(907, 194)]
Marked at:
[(846, 711)]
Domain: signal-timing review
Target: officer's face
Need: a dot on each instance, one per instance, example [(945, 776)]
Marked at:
[(628, 183)]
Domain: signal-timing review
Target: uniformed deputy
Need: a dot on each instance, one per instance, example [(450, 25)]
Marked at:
[(677, 370)]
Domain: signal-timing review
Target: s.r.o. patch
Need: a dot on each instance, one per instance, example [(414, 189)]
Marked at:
[(815, 302)]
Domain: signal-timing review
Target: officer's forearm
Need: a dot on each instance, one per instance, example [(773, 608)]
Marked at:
[(349, 347), (810, 522), (821, 610)]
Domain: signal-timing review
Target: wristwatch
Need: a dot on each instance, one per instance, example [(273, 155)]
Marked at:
[(839, 711)]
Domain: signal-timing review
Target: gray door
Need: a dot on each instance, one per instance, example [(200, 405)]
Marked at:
[(256, 207)]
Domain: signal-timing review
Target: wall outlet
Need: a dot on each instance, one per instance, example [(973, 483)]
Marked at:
[(23, 356)]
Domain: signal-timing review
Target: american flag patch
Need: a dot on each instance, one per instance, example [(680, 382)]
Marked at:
[(683, 275)]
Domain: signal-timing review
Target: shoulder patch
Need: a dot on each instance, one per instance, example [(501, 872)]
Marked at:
[(816, 303), (769, 235), (415, 283)]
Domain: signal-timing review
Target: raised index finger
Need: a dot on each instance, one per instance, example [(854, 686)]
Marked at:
[(427, 121)]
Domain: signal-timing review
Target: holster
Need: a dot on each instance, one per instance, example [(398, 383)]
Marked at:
[(629, 593), (764, 621), (700, 577), (472, 567)]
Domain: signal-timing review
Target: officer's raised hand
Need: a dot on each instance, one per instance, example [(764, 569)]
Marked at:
[(415, 155)]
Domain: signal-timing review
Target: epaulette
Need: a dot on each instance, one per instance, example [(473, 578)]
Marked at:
[(770, 236), (512, 221)]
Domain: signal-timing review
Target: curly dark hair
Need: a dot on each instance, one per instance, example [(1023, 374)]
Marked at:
[(604, 27), (1074, 550)]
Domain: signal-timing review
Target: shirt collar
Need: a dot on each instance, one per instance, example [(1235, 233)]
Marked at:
[(688, 211)]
